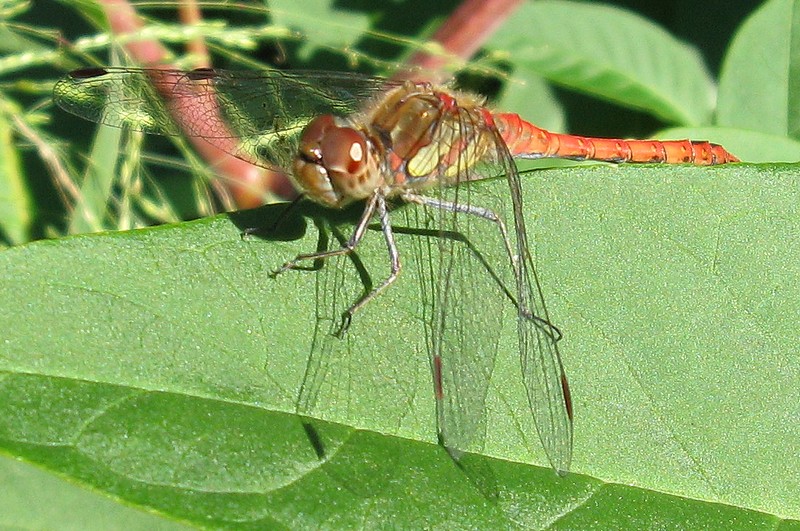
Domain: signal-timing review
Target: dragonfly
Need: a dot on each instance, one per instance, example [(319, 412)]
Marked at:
[(347, 138)]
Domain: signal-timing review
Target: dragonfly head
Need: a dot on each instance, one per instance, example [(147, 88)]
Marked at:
[(335, 164)]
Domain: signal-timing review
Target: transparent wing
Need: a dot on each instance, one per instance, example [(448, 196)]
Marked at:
[(326, 375), (354, 376), (542, 369), (264, 110), (475, 281), (461, 323), (462, 290)]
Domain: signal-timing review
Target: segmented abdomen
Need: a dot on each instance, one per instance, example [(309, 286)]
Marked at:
[(526, 140)]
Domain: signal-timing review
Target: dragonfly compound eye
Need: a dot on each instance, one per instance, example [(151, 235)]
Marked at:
[(312, 136), (310, 172), (333, 165), (347, 157), (344, 151)]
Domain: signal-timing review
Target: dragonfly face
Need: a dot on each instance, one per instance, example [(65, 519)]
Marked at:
[(335, 165)]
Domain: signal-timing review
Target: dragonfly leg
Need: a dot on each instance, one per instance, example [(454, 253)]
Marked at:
[(376, 203), (546, 326), (472, 210), (394, 272), (347, 248)]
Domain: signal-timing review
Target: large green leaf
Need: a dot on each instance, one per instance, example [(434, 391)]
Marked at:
[(36, 499), (161, 366)]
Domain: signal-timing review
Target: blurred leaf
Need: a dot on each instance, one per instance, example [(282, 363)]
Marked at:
[(15, 201), (610, 53), (529, 95), (330, 27), (171, 363), (89, 214), (758, 88), (13, 42)]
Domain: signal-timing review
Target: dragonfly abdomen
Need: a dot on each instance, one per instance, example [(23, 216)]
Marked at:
[(526, 140)]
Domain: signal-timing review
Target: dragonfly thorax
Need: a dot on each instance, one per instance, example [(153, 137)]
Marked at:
[(335, 164)]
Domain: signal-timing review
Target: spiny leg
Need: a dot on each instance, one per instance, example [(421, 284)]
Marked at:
[(376, 202), (394, 271), (347, 248)]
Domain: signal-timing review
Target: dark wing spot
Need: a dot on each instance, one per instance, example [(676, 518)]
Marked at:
[(88, 73), (199, 74)]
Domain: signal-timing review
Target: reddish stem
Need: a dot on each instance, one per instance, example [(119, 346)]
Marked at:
[(461, 35), (190, 15)]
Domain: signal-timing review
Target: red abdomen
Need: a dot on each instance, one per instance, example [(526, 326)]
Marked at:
[(526, 140)]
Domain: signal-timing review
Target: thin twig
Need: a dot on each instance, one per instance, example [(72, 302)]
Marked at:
[(70, 194)]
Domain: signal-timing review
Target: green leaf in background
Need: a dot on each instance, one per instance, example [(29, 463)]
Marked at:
[(101, 173), (529, 95), (756, 90), (13, 41), (161, 366), (331, 28), (611, 53)]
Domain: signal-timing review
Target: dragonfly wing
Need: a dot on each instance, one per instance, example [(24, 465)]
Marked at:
[(326, 350), (462, 329), (462, 293), (118, 97), (353, 376), (542, 369), (467, 322), (548, 389), (264, 110)]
